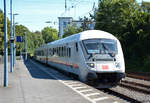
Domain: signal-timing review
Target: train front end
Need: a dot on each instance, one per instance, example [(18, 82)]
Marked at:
[(104, 61)]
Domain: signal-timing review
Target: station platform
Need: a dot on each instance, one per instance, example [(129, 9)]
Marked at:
[(28, 84)]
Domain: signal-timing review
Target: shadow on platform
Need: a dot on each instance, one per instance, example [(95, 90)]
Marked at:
[(37, 73)]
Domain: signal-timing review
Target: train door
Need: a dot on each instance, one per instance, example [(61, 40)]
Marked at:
[(46, 55), (75, 57), (75, 52)]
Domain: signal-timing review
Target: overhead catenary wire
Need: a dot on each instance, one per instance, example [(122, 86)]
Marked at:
[(73, 6)]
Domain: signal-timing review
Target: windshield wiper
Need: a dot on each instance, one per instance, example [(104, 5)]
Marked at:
[(91, 55), (112, 54)]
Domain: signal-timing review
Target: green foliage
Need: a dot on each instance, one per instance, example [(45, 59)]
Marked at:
[(2, 33), (72, 29), (1, 11), (34, 39), (146, 64), (49, 34), (38, 40), (146, 6), (126, 20)]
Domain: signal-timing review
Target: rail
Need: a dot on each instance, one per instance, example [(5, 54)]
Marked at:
[(138, 75)]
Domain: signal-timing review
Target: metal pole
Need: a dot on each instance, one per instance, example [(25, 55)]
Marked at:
[(65, 5), (14, 41), (6, 48), (11, 61), (26, 45)]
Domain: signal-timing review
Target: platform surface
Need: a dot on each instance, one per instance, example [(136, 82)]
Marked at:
[(28, 84)]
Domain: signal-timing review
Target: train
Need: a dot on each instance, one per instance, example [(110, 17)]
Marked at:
[(94, 56)]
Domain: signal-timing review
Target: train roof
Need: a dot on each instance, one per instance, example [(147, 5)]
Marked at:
[(89, 34)]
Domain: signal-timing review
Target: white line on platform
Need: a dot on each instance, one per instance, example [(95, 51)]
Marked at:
[(71, 83), (99, 99), (79, 87), (86, 90), (75, 84), (91, 94), (115, 102)]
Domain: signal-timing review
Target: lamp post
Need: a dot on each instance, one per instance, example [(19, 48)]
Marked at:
[(11, 40), (6, 48), (14, 37), (48, 22)]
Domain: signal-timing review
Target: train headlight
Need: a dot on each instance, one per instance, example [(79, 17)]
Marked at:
[(91, 65)]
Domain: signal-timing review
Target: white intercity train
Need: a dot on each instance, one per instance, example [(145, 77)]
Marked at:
[(93, 56)]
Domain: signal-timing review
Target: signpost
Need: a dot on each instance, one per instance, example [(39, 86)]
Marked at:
[(20, 39), (26, 45)]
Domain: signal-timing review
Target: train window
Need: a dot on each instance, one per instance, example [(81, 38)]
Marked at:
[(59, 51), (65, 51), (42, 53), (69, 52), (62, 51), (56, 51), (50, 52), (53, 51), (76, 46), (102, 46)]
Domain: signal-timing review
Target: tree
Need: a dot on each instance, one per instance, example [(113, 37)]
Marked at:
[(38, 39), (1, 11), (49, 34), (114, 15), (126, 20), (72, 29), (34, 39), (146, 6), (2, 33)]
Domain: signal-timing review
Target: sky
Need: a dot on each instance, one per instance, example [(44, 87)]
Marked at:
[(34, 13)]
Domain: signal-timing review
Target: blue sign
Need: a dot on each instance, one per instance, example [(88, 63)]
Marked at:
[(19, 38)]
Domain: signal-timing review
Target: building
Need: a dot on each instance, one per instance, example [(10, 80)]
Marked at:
[(65, 21)]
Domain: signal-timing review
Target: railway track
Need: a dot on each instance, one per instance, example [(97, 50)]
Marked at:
[(138, 75), (120, 95), (135, 86)]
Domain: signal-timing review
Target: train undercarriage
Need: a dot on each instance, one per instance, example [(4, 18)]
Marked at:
[(104, 80)]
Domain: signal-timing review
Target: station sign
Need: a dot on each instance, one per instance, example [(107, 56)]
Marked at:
[(19, 38)]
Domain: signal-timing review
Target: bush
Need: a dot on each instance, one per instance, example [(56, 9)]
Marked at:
[(146, 67)]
